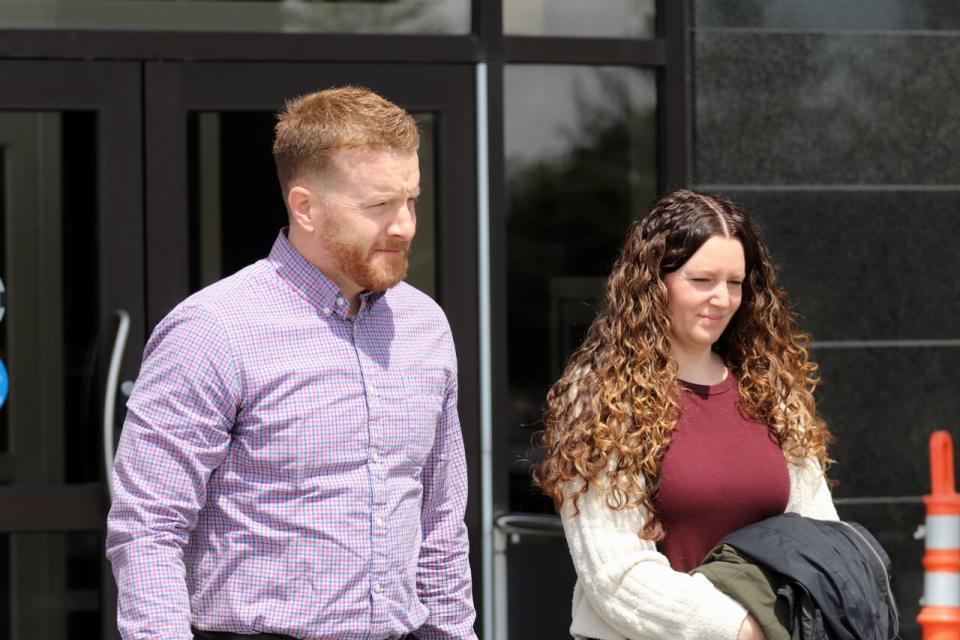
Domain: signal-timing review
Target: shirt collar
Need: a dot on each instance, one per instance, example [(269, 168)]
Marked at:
[(313, 285)]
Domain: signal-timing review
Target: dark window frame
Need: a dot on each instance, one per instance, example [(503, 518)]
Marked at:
[(102, 87)]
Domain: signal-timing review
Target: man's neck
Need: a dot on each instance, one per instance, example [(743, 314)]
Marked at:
[(350, 291)]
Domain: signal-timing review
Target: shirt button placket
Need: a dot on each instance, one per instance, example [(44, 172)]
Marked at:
[(377, 473)]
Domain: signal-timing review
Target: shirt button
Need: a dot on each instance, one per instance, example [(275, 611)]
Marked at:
[(340, 301), (379, 522), (376, 588), (326, 310), (374, 456)]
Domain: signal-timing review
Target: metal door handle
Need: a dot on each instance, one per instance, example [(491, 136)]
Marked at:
[(110, 396)]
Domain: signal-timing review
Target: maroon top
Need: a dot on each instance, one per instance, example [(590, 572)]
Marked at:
[(721, 472)]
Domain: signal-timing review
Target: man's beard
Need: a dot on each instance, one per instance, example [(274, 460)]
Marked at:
[(372, 271)]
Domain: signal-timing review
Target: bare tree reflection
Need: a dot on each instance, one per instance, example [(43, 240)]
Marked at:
[(567, 215), (377, 16)]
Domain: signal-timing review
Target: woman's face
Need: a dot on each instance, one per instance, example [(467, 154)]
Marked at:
[(704, 293)]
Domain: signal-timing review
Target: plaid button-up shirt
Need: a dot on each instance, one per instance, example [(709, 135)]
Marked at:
[(286, 468)]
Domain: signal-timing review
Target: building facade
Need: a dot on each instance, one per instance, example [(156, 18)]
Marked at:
[(135, 145)]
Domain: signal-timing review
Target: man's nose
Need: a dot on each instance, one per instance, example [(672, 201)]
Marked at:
[(404, 223)]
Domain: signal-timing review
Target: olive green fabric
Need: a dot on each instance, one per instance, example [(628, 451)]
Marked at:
[(749, 585)]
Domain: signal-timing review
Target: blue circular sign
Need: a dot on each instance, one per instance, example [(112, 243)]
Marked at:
[(4, 384)]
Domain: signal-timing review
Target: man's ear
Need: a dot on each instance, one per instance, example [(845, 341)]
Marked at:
[(300, 205)]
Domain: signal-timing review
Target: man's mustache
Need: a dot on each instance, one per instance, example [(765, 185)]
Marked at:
[(395, 246)]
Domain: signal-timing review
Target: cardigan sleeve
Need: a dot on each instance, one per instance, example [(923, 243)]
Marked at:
[(809, 493), (631, 585)]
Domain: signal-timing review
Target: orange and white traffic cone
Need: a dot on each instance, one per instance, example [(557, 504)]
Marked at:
[(940, 615)]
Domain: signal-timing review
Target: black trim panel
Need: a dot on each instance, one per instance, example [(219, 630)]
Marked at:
[(80, 507), (605, 51), (207, 46)]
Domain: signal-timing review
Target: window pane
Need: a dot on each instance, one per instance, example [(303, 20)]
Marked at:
[(236, 208), (581, 162), (50, 424), (328, 16), (601, 18)]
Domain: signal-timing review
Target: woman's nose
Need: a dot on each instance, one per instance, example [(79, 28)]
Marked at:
[(720, 297)]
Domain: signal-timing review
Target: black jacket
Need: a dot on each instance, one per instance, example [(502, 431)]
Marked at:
[(835, 576)]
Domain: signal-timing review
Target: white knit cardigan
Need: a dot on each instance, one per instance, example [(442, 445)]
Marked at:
[(626, 588)]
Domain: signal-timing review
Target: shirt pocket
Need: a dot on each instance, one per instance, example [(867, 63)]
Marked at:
[(421, 407)]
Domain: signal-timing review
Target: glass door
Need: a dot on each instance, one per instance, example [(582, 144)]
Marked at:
[(214, 204), (71, 267)]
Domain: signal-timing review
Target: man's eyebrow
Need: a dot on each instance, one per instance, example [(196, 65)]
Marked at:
[(389, 193)]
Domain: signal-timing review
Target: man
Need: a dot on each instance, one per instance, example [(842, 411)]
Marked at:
[(291, 463)]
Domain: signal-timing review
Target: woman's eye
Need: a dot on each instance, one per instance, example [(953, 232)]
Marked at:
[(736, 283)]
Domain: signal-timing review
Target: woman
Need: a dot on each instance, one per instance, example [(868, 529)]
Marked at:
[(687, 413)]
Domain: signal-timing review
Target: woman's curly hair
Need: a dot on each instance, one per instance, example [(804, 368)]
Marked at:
[(612, 413)]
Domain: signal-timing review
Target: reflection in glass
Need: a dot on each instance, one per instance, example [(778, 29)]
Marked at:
[(236, 207), (50, 585), (581, 163), (49, 426), (603, 19), (324, 16)]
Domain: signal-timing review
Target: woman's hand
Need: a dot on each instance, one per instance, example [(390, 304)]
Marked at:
[(750, 630)]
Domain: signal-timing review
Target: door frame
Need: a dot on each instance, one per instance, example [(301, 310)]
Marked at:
[(113, 91), (109, 88)]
